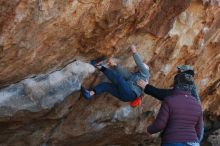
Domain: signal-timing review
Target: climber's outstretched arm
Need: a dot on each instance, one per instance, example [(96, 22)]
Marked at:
[(139, 62)]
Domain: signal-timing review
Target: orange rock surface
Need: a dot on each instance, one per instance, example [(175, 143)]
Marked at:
[(40, 41)]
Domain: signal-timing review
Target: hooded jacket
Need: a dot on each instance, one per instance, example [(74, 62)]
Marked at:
[(132, 78)]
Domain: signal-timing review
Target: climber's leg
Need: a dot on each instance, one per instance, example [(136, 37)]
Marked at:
[(113, 90), (97, 62), (113, 76), (101, 88), (122, 85), (107, 87), (124, 91), (110, 74)]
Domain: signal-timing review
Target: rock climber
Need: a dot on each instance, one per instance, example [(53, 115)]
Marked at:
[(123, 83)]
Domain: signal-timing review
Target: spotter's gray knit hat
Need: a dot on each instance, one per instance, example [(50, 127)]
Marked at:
[(184, 67)]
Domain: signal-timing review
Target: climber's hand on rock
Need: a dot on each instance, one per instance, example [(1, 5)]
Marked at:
[(133, 48), (111, 62), (142, 83)]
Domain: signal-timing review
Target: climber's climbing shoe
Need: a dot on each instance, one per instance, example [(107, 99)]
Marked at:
[(97, 62), (86, 93), (136, 102)]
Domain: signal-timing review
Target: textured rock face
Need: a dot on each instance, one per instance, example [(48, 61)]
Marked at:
[(44, 47), (43, 91), (38, 35)]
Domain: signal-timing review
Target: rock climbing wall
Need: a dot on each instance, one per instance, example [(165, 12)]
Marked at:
[(45, 46)]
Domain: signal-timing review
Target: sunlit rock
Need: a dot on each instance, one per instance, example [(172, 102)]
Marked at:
[(40, 102)]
